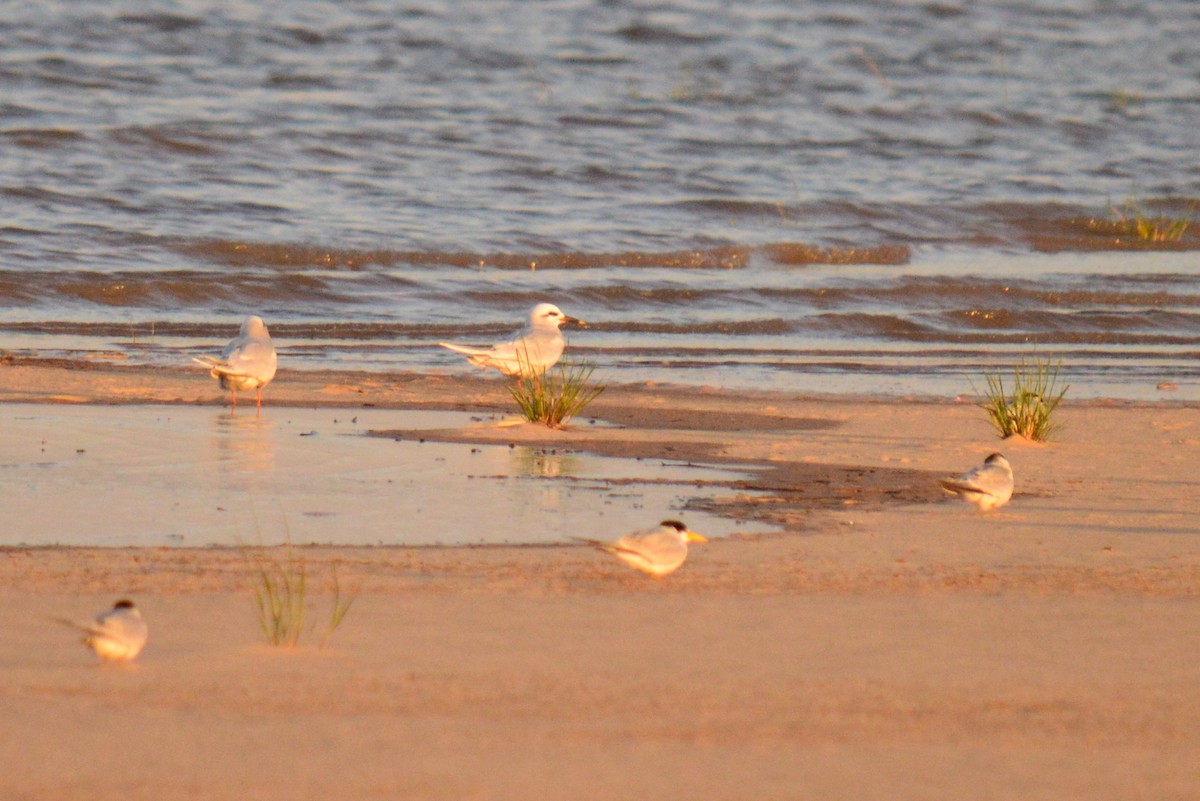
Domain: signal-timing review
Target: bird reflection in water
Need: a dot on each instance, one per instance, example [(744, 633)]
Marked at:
[(244, 445), (539, 463)]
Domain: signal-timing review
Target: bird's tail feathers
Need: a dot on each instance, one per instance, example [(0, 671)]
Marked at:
[(219, 367), (464, 349), (85, 628)]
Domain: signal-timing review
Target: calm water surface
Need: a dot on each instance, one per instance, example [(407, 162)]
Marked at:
[(187, 476), (880, 197)]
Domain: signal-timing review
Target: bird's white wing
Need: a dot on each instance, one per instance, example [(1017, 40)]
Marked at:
[(983, 479), (251, 358), (124, 629), (624, 545), (512, 357), (656, 546)]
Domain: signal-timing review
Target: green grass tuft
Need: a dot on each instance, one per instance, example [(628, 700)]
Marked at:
[(552, 397), (1027, 406), (281, 597), (1132, 220)]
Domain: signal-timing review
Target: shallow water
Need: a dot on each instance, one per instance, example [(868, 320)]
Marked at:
[(874, 197), (188, 476)]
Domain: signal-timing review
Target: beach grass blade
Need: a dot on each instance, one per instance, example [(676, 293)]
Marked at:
[(341, 606)]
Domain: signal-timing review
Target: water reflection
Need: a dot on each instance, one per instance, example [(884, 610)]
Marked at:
[(196, 476), (245, 446), (540, 463)]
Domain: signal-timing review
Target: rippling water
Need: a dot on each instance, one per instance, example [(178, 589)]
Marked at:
[(879, 197)]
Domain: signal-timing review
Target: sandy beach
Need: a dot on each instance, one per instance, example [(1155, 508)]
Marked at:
[(890, 643)]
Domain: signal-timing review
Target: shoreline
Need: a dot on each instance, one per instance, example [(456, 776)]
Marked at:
[(889, 643), (53, 380)]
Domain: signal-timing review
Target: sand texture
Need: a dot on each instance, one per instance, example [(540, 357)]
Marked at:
[(891, 643)]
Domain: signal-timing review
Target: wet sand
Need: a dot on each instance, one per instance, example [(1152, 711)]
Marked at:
[(892, 643)]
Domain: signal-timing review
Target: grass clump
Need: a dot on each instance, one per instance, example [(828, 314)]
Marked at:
[(281, 598), (1026, 406), (1133, 220), (552, 397)]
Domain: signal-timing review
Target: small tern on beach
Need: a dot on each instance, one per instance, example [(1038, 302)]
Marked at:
[(534, 350), (118, 635), (658, 551), (988, 486), (248, 362)]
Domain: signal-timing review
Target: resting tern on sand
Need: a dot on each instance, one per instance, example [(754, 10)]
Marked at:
[(248, 362), (658, 551), (118, 635), (534, 350), (988, 486)]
